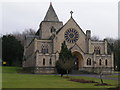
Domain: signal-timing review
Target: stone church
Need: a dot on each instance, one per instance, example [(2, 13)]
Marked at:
[(42, 52)]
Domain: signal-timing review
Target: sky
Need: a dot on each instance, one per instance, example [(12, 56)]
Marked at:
[(99, 16)]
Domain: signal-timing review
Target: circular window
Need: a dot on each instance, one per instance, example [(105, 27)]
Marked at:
[(71, 35)]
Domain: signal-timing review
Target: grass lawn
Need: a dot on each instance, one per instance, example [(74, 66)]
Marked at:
[(117, 72), (114, 76), (10, 69), (11, 79)]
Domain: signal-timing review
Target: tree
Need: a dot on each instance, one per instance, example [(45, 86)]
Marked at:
[(117, 54), (65, 63), (14, 43), (28, 33), (101, 73), (114, 46), (12, 50), (95, 38)]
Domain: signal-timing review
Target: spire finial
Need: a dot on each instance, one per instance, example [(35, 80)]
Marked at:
[(50, 2), (71, 12)]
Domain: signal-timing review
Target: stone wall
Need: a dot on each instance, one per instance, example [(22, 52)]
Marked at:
[(44, 70), (45, 31), (93, 44), (60, 37), (104, 70), (47, 57), (44, 43), (30, 56)]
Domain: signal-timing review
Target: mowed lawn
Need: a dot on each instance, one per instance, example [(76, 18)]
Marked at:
[(115, 76), (11, 79)]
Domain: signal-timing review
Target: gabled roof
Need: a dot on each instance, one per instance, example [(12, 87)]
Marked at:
[(75, 45), (51, 15), (67, 22)]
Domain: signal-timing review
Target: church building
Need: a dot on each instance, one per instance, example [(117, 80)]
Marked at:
[(42, 52)]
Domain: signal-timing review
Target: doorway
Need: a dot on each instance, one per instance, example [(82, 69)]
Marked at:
[(78, 61)]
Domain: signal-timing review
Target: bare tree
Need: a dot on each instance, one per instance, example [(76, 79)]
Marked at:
[(95, 38), (22, 36), (29, 32), (101, 72)]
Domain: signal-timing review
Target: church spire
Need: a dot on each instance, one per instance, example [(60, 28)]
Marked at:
[(51, 15)]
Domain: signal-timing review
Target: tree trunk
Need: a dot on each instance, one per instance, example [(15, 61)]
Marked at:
[(101, 78), (101, 81), (61, 74), (67, 73)]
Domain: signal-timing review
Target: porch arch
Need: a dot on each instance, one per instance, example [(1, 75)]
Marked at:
[(79, 62)]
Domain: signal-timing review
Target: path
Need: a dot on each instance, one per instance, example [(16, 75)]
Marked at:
[(88, 75), (97, 76)]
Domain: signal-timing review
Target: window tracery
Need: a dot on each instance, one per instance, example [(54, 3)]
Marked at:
[(97, 50), (44, 49)]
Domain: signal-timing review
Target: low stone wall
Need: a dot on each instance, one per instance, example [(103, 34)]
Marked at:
[(50, 70), (28, 69), (104, 70), (42, 70)]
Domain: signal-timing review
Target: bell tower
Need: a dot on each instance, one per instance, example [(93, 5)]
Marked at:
[(49, 23)]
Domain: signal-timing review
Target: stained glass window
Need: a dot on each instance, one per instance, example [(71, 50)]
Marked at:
[(71, 35)]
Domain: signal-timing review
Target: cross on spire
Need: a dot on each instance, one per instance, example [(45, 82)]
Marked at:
[(71, 12)]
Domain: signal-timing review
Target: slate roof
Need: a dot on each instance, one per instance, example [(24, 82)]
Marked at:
[(51, 15)]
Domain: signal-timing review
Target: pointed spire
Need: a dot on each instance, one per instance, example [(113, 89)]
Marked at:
[(51, 15), (50, 3)]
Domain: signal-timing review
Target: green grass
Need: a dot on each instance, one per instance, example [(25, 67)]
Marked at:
[(11, 79), (6, 69), (117, 72), (0, 77), (114, 83), (114, 76)]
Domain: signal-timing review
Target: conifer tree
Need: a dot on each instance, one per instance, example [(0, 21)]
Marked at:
[(12, 51), (65, 63)]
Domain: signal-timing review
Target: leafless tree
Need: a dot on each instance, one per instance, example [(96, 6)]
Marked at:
[(101, 72), (21, 36), (95, 38)]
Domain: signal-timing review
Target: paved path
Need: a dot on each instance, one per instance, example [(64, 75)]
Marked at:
[(97, 76), (89, 75)]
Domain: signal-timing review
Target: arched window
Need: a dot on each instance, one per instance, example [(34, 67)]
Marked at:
[(43, 61), (53, 29), (44, 49), (100, 62), (106, 62), (97, 50), (88, 61), (50, 62)]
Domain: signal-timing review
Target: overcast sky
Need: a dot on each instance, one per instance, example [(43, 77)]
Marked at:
[(101, 17)]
